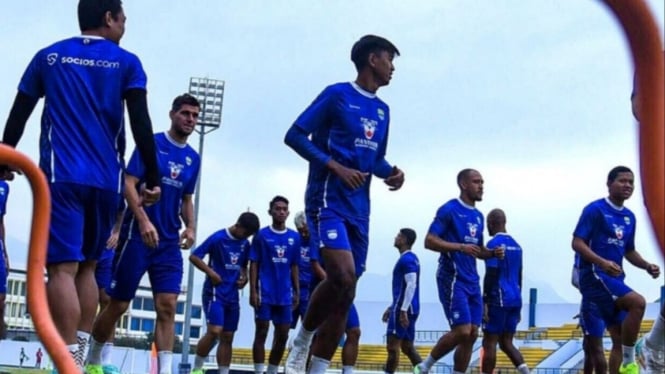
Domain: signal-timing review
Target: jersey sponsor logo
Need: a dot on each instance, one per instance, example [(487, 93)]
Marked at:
[(381, 114), (51, 58), (175, 169), (473, 229), (234, 258), (86, 62)]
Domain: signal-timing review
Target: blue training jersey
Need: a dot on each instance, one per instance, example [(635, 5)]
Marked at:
[(227, 256), (508, 291), (350, 125), (609, 231), (407, 263), (274, 252), (178, 171), (4, 194), (458, 222), (304, 266), (83, 80)]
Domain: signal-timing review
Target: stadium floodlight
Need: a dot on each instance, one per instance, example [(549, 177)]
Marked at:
[(210, 94)]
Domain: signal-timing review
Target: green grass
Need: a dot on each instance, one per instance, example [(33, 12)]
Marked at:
[(14, 370)]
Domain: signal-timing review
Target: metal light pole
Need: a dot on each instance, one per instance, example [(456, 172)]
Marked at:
[(210, 93)]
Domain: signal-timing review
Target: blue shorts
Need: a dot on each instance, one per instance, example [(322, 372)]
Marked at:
[(462, 303), (330, 230), (595, 318), (601, 288), (278, 314), (81, 219), (352, 320), (163, 264), (299, 312), (104, 269), (502, 319), (396, 329), (219, 314)]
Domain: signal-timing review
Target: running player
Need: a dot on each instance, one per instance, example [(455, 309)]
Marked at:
[(604, 235), (274, 287), (153, 243), (4, 257), (502, 295), (226, 273), (86, 81), (304, 267), (457, 233), (348, 125), (402, 314)]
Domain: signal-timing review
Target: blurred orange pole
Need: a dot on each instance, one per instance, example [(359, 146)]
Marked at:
[(37, 301), (647, 50)]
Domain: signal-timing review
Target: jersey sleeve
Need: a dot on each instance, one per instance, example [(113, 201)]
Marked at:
[(316, 114), (441, 222), (255, 248), (492, 262), (135, 76), (630, 241), (4, 202), (586, 223), (202, 250), (191, 185), (135, 167), (32, 83), (382, 168)]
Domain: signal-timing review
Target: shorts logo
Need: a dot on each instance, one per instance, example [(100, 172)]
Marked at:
[(381, 114), (370, 127), (51, 58), (332, 234), (455, 315)]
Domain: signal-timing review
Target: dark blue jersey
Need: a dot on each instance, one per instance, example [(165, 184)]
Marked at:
[(4, 194), (507, 291), (83, 80), (408, 263), (304, 266), (274, 252), (227, 256), (457, 222), (178, 171), (350, 126), (608, 230)]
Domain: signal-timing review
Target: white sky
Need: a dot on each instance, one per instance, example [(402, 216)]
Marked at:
[(533, 94)]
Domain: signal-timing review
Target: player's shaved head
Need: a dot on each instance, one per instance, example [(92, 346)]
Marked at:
[(463, 175), (496, 216)]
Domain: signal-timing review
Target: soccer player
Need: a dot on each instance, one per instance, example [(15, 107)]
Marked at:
[(502, 295), (274, 287), (153, 242), (604, 235), (457, 234), (402, 314), (348, 125), (4, 257), (226, 273), (86, 81), (352, 328), (650, 349), (304, 267)]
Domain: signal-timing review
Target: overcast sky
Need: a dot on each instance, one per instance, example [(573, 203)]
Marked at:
[(533, 94)]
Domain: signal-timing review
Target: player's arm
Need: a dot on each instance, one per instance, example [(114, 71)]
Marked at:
[(21, 110), (410, 279), (148, 232), (112, 241), (580, 246), (317, 269), (139, 121), (254, 284), (490, 281), (198, 262), (5, 254), (636, 259), (435, 243), (187, 215), (295, 284)]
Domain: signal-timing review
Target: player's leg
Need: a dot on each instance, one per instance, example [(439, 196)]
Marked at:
[(593, 328), (634, 305), (103, 276), (165, 305), (281, 318), (407, 336), (511, 319), (225, 349), (352, 341), (3, 292), (472, 314), (650, 349), (616, 352), (392, 343), (330, 301), (262, 323), (88, 293), (214, 314)]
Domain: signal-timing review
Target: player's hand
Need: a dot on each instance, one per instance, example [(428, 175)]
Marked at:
[(215, 279), (395, 180), (150, 196), (653, 270), (295, 303), (500, 252), (242, 281), (112, 241), (403, 319), (7, 172), (486, 313), (187, 238), (611, 268), (470, 249), (254, 301), (385, 315), (149, 234), (352, 178)]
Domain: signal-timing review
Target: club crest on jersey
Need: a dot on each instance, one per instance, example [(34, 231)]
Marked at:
[(381, 114), (188, 161), (290, 241), (234, 258), (51, 58), (618, 231), (473, 229), (626, 220), (2, 191), (369, 126), (175, 169)]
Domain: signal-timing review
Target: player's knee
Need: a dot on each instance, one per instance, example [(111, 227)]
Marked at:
[(226, 337), (215, 331), (393, 353), (353, 335)]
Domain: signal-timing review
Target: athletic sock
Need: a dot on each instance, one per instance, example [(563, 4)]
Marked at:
[(523, 369), (223, 370), (198, 362), (628, 354), (318, 365), (106, 352), (259, 368), (95, 352), (165, 360), (272, 369), (347, 369)]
